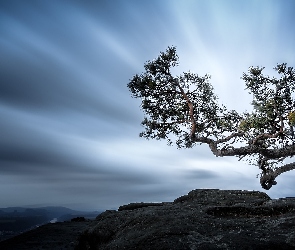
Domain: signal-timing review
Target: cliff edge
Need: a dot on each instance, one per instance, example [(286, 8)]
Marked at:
[(203, 219)]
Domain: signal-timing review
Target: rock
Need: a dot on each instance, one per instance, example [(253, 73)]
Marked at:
[(202, 219), (132, 206), (78, 219)]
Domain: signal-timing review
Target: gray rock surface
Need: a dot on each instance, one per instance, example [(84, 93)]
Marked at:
[(203, 219)]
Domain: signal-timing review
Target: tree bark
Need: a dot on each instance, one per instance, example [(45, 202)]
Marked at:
[(267, 180)]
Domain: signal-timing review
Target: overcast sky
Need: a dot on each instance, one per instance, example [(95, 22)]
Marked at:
[(69, 128)]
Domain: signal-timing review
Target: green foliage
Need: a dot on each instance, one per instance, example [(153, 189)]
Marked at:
[(291, 118), (165, 102), (272, 98)]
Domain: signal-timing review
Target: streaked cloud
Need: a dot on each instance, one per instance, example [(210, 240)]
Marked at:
[(69, 128)]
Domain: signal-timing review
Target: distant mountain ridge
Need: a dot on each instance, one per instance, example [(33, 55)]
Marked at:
[(16, 220), (57, 210)]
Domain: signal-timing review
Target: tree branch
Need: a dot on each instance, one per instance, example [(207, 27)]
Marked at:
[(246, 150), (267, 179), (233, 135), (266, 136), (191, 111)]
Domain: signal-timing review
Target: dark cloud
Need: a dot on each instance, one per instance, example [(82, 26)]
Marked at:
[(49, 65), (48, 87)]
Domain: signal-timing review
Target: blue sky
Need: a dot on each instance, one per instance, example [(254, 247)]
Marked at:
[(69, 128)]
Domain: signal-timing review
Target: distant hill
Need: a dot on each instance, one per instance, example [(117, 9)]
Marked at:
[(16, 220), (51, 211)]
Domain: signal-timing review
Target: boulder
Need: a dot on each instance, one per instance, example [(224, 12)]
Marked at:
[(202, 219)]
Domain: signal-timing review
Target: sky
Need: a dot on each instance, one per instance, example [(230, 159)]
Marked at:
[(69, 127)]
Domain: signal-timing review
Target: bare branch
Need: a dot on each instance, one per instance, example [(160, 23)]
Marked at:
[(228, 138), (266, 136), (267, 179)]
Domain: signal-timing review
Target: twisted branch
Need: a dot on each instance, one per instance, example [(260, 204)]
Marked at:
[(267, 179)]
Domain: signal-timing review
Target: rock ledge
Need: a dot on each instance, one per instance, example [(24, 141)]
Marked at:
[(202, 219)]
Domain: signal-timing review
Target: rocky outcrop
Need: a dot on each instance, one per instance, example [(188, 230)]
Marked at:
[(203, 219)]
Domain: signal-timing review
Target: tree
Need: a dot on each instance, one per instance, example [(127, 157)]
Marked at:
[(185, 111)]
